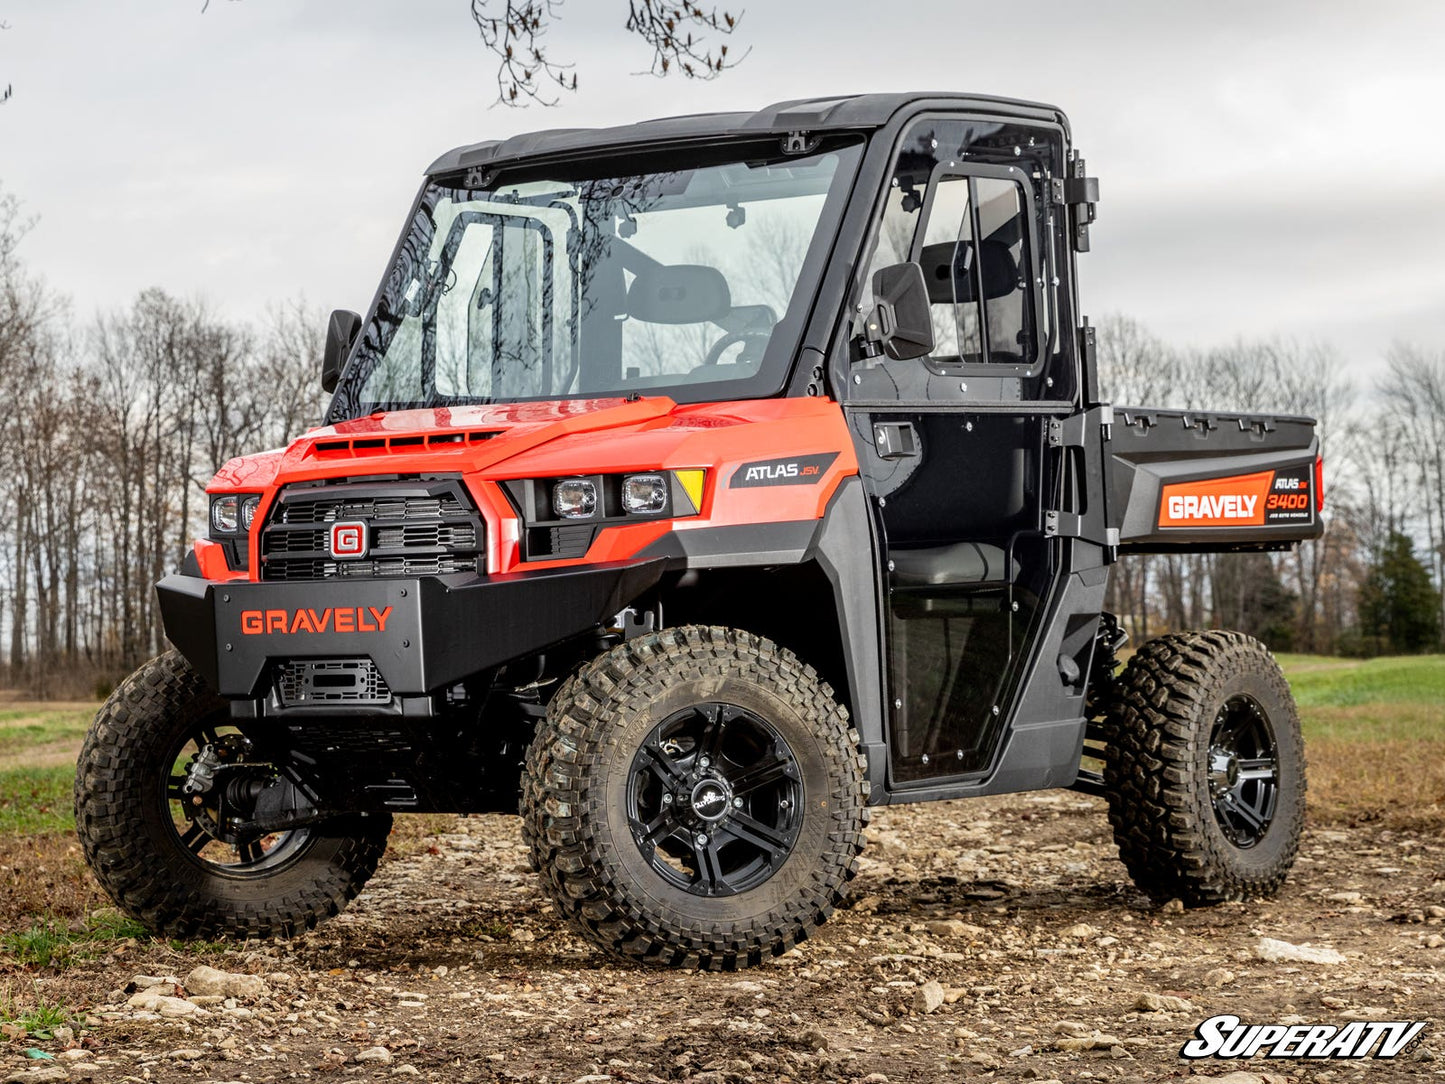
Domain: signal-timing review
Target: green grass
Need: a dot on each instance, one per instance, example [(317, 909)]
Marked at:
[(39, 1018), (52, 942), (1390, 699), (37, 800), (1374, 736), (28, 728)]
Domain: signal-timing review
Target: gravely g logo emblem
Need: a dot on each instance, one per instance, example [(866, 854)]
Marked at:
[(798, 470), (347, 541)]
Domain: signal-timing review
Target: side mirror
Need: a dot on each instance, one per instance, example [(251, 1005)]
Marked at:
[(341, 332), (901, 323)]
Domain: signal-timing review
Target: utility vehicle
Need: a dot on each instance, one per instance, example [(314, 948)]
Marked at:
[(689, 488)]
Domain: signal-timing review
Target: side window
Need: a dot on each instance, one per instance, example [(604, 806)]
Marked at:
[(970, 200), (977, 260)]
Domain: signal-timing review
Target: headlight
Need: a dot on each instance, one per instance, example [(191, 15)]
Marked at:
[(575, 498), (233, 513), (226, 514), (644, 494)]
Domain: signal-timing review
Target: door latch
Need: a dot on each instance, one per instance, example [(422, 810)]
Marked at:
[(895, 440)]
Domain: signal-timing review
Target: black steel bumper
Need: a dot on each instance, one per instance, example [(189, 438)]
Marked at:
[(423, 634)]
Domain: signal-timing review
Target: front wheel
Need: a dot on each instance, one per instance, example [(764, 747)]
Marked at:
[(697, 798), (1204, 769), (158, 843)]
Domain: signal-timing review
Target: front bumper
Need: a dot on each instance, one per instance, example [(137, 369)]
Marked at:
[(423, 633)]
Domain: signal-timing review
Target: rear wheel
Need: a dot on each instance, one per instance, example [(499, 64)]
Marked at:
[(695, 797), (1205, 770), (154, 830)]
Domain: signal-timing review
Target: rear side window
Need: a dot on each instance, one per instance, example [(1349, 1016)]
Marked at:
[(975, 245)]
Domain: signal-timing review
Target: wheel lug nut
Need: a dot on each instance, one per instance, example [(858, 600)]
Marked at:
[(667, 799), (704, 761), (701, 840), (737, 803)]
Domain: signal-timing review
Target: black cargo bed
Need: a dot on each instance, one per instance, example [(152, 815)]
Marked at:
[(1201, 481)]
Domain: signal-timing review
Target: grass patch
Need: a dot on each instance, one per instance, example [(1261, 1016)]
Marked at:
[(37, 800), (23, 730), (53, 942), (1374, 736), (39, 1016)]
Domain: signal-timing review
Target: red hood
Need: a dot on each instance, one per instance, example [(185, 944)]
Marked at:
[(463, 438)]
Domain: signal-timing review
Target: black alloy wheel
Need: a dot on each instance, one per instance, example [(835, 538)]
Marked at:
[(695, 798), (1204, 768), (715, 799), (160, 787), (199, 817), (1243, 771)]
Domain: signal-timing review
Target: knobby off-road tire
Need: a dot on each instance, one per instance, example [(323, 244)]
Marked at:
[(766, 767), (1205, 769), (123, 815)]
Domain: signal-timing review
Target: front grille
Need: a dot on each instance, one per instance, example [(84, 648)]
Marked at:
[(413, 528), (315, 682)]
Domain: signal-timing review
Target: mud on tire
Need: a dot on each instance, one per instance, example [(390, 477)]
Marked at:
[(594, 773), (1204, 769), (135, 849)]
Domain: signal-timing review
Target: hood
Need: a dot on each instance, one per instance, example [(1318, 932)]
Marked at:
[(439, 439)]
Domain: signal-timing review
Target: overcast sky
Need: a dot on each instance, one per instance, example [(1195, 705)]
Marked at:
[(1267, 167)]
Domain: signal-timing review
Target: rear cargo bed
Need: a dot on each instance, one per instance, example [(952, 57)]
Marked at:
[(1183, 480)]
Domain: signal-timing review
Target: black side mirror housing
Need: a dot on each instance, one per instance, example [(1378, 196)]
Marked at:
[(341, 331), (901, 323)]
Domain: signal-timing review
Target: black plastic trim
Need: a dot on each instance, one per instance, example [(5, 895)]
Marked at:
[(439, 629)]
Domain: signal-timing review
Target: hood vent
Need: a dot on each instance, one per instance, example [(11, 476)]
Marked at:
[(352, 447)]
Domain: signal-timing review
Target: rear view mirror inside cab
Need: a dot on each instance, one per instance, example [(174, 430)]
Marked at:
[(679, 294)]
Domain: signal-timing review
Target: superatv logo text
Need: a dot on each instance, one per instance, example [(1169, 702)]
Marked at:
[(798, 470), (1227, 1036), (291, 622)]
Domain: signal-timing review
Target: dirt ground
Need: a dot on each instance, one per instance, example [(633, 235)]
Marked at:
[(452, 967)]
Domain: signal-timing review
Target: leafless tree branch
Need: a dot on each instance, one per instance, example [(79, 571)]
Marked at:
[(515, 35), (682, 35), (679, 32)]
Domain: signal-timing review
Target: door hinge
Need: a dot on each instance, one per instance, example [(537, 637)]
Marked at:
[(1080, 193)]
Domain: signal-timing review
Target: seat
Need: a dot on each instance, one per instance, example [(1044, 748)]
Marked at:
[(959, 563)]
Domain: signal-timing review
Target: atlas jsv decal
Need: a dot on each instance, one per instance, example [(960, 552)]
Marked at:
[(797, 470)]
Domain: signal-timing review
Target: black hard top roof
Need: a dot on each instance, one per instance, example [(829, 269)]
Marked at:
[(859, 111)]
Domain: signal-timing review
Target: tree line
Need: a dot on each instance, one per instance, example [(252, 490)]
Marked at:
[(115, 424), (113, 427)]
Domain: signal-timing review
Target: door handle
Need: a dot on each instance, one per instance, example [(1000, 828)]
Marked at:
[(895, 440)]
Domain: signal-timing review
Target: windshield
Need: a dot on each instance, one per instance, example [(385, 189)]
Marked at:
[(686, 274)]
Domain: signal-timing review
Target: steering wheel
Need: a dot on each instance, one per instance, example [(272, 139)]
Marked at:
[(732, 338)]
